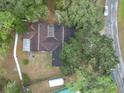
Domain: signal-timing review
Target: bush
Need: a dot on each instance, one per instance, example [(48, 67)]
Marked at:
[(3, 81), (12, 87), (25, 61), (26, 79)]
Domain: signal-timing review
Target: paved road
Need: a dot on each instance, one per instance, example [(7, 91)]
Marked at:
[(110, 24), (111, 30)]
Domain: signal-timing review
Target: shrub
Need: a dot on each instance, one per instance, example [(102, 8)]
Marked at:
[(3, 81), (26, 79), (25, 61), (12, 87)]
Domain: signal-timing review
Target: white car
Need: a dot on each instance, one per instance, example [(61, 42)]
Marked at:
[(106, 11)]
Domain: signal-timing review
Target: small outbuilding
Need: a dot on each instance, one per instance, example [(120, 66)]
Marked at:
[(56, 82)]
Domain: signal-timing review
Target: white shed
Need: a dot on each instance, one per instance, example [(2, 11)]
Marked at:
[(56, 82)]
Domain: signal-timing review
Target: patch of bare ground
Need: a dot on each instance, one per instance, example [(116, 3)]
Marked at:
[(39, 67), (9, 65), (52, 18)]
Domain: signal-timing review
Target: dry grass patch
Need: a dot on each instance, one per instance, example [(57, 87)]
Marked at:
[(39, 65)]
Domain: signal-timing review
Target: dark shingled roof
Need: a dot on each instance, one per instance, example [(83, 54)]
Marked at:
[(47, 37), (56, 56)]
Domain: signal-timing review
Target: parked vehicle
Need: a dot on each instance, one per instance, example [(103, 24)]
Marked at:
[(106, 11)]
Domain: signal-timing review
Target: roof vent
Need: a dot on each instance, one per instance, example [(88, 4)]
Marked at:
[(51, 30)]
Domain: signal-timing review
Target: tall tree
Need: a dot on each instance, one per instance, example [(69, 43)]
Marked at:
[(25, 10), (90, 83), (81, 14), (100, 49), (94, 50), (6, 25)]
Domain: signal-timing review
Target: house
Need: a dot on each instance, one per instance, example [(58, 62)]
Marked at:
[(42, 36)]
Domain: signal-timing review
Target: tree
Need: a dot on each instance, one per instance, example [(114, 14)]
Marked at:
[(6, 25), (81, 14), (90, 83), (25, 10), (100, 49), (11, 87), (95, 51), (89, 56), (62, 4), (71, 56)]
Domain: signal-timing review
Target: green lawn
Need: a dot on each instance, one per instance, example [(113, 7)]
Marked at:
[(121, 10), (121, 25)]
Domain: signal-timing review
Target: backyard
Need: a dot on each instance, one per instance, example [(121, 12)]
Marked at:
[(37, 66)]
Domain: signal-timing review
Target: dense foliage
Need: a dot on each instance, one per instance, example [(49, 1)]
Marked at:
[(25, 9), (11, 87), (81, 14), (89, 56), (87, 83), (95, 50), (6, 23)]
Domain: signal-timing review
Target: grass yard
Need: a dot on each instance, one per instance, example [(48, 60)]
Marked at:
[(121, 9), (100, 3), (37, 65), (121, 24), (8, 64)]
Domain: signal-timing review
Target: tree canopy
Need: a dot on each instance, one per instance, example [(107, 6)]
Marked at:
[(25, 9), (81, 14), (6, 25), (96, 51), (87, 82), (89, 55)]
